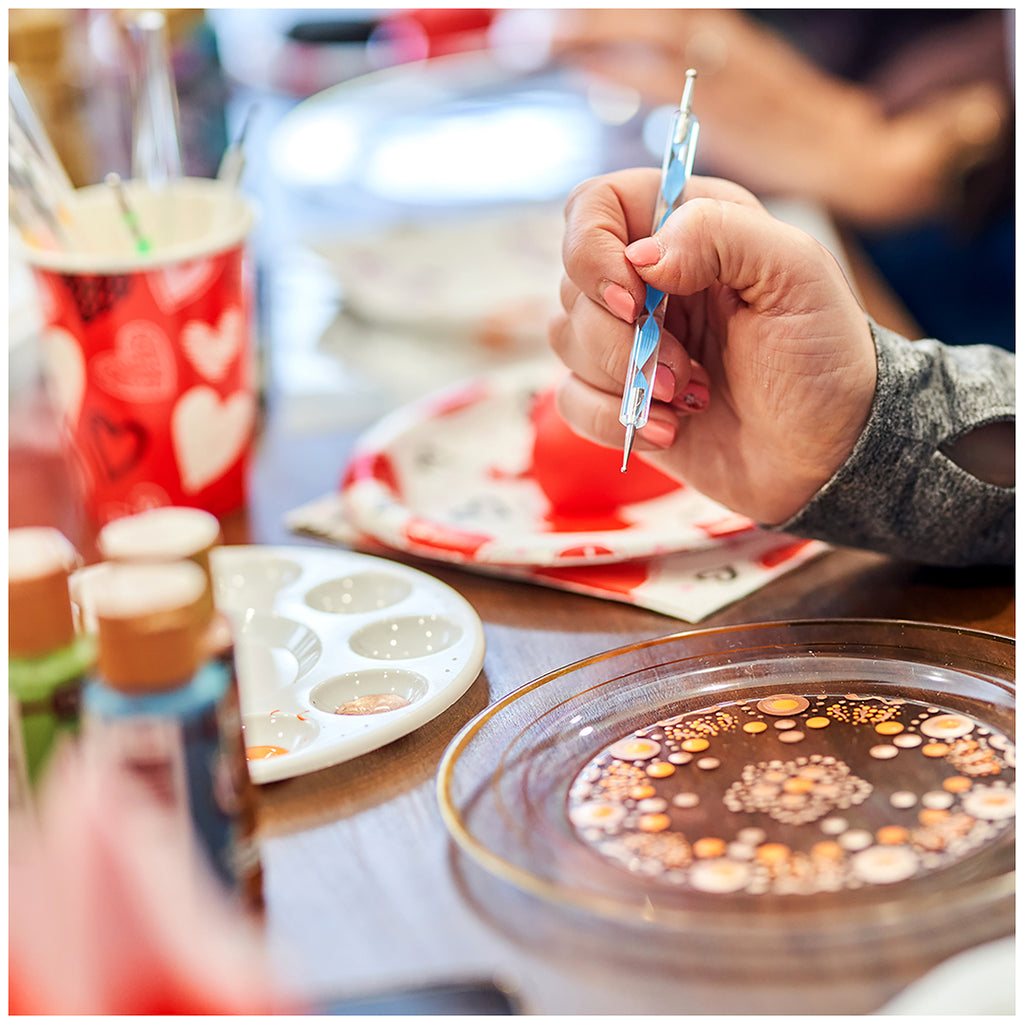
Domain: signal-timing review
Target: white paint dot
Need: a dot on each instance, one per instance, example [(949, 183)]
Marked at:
[(634, 748), (686, 799), (856, 839), (990, 803), (884, 751), (907, 740), (719, 875), (946, 727), (903, 798), (884, 864)]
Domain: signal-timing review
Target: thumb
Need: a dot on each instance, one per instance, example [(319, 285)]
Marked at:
[(772, 266)]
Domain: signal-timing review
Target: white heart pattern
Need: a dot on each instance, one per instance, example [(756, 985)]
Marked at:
[(65, 372), (180, 283), (211, 350), (140, 367), (209, 434)]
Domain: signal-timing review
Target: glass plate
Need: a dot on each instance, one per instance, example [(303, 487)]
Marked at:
[(510, 779)]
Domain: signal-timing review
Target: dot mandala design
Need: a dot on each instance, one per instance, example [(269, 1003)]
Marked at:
[(797, 794)]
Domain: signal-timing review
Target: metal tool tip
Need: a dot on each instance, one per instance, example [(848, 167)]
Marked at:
[(627, 447), (687, 101)]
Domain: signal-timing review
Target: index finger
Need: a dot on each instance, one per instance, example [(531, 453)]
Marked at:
[(604, 214)]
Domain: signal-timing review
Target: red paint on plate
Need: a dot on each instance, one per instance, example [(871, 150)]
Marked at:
[(580, 477), (372, 466), (776, 556), (424, 533)]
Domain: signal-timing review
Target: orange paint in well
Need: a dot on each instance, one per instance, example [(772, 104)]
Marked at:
[(262, 752)]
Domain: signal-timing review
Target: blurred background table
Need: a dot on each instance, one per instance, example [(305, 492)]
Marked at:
[(363, 884)]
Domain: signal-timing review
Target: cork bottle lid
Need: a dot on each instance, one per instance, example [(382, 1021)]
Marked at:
[(163, 535), (39, 561), (151, 623)]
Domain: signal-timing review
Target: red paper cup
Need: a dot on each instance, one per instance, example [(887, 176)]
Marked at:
[(149, 357)]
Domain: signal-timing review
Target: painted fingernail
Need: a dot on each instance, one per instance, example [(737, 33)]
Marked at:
[(620, 302), (659, 433), (695, 398), (664, 384), (644, 252)]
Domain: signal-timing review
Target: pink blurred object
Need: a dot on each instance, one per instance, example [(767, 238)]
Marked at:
[(113, 910)]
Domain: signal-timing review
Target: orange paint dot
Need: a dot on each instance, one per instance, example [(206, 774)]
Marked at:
[(694, 745), (785, 704), (709, 846), (261, 753), (818, 722), (827, 850), (660, 769), (798, 785), (932, 815), (772, 853), (642, 792), (957, 784), (888, 728), (935, 749), (892, 835), (653, 823), (755, 727)]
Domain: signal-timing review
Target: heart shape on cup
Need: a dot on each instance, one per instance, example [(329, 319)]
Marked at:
[(175, 286), (212, 350), (209, 434), (119, 444), (140, 367), (65, 372)]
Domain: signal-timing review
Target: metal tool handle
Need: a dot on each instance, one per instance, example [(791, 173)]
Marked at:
[(676, 169)]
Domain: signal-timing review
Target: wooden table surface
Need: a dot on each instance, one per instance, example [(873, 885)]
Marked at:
[(364, 889)]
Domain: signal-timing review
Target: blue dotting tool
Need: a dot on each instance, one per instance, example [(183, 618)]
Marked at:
[(643, 359)]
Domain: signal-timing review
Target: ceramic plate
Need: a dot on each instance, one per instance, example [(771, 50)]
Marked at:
[(754, 791), (323, 638), (451, 477)]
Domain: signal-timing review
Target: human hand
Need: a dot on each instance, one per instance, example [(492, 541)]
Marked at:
[(767, 366), (777, 123)]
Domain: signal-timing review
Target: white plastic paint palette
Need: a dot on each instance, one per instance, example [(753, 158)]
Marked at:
[(317, 629)]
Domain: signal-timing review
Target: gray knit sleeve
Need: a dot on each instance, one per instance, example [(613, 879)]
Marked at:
[(897, 492)]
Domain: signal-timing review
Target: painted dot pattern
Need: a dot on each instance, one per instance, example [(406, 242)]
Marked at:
[(797, 794)]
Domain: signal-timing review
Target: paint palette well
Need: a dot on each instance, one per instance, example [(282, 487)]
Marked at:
[(749, 791), (339, 653)]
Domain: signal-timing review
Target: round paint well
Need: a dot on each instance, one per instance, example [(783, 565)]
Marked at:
[(272, 653), (251, 582), (333, 693), (412, 637), (285, 733), (365, 592)]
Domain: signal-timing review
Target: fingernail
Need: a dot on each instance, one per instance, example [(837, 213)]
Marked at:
[(664, 384), (695, 398), (620, 302), (659, 433), (643, 252)]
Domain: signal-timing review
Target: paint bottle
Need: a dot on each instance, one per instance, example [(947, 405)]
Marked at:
[(48, 656), (162, 704), (171, 534)]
